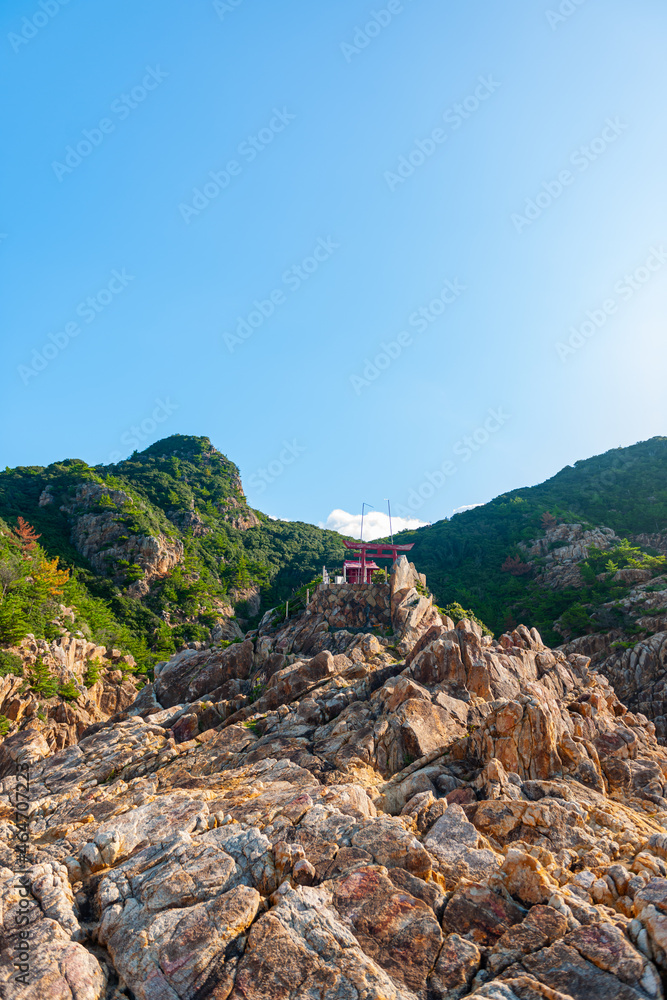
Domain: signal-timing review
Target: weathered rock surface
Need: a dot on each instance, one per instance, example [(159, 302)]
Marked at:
[(441, 817), (636, 664), (101, 537), (70, 659)]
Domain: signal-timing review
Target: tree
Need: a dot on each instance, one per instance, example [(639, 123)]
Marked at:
[(14, 624), (49, 576), (42, 681), (10, 573), (242, 576), (26, 534), (516, 567)]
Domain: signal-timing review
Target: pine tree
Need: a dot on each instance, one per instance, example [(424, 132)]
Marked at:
[(42, 681), (14, 624), (50, 577)]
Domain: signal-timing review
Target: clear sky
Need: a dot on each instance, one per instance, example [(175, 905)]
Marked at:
[(414, 249)]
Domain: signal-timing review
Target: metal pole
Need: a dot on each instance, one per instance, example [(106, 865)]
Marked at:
[(390, 529)]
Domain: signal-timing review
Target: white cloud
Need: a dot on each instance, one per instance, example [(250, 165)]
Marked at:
[(468, 506), (376, 524)]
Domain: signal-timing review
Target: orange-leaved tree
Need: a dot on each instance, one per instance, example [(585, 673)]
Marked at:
[(50, 577), (26, 534), (516, 567)]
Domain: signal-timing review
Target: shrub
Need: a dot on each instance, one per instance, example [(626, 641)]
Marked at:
[(257, 692), (69, 691), (456, 613), (93, 673), (42, 681), (14, 624), (5, 725), (10, 663)]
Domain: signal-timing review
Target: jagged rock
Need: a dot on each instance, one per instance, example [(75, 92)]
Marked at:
[(69, 659), (100, 536), (457, 846), (397, 930), (236, 831)]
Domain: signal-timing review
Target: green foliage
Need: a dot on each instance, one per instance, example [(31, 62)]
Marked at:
[(625, 489), (5, 726), (69, 691), (256, 693), (457, 614), (10, 663), (42, 681), (93, 673), (578, 620), (183, 488), (14, 620)]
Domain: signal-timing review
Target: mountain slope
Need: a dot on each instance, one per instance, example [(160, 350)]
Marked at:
[(164, 550), (481, 557), (164, 542)]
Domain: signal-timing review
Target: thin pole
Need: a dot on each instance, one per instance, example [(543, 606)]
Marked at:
[(390, 529)]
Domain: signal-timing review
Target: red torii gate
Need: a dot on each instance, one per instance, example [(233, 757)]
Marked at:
[(361, 570)]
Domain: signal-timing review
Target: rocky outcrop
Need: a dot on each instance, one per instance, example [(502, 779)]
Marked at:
[(563, 547), (657, 541), (474, 818), (100, 682), (99, 533), (338, 615), (634, 658)]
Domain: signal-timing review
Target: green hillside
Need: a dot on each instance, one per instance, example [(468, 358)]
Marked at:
[(181, 490), (624, 489), (181, 501)]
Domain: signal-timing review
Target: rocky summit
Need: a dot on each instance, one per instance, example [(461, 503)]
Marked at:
[(366, 800)]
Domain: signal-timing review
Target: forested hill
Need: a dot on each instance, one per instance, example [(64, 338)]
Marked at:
[(159, 549), (477, 557), (163, 549)]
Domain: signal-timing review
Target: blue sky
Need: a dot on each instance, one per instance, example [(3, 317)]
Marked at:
[(414, 249)]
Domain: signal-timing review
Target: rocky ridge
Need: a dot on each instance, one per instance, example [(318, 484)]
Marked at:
[(100, 678), (430, 815), (99, 533), (564, 547), (635, 664)]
